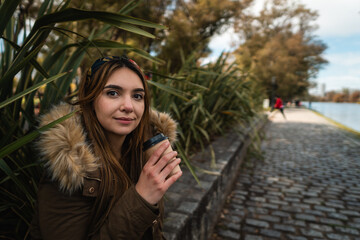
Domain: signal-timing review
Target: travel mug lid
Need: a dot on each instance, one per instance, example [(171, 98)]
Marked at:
[(153, 141)]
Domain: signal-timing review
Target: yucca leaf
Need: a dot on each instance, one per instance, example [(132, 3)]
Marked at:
[(181, 79), (15, 68), (169, 90), (118, 20), (30, 137), (8, 171), (129, 7), (7, 9), (31, 89), (32, 61), (186, 161), (203, 132)]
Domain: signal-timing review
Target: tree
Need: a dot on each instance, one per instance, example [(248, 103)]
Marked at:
[(192, 24), (355, 96), (278, 44)]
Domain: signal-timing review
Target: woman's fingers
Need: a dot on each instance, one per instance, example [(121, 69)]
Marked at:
[(154, 179), (166, 171), (158, 152), (172, 179)]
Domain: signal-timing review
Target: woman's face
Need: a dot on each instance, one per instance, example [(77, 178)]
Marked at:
[(120, 106)]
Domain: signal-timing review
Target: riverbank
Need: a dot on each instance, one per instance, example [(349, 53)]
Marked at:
[(344, 115), (339, 125)]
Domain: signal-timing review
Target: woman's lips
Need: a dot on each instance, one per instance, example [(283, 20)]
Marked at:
[(125, 120)]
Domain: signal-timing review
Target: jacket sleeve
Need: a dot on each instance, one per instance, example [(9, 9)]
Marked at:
[(130, 217)]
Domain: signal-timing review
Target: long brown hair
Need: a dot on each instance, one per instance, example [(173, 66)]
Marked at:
[(117, 175)]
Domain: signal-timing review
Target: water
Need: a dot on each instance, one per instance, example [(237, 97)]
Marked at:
[(348, 114)]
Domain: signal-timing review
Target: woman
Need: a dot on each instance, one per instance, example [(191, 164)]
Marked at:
[(98, 184)]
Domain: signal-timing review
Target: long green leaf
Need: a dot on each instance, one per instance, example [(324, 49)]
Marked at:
[(118, 20), (32, 61), (102, 43), (6, 11), (169, 90), (30, 137), (15, 68), (7, 170), (186, 161), (129, 7), (31, 89)]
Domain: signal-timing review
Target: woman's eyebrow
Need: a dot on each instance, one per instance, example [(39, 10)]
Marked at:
[(113, 86), (139, 90), (120, 88)]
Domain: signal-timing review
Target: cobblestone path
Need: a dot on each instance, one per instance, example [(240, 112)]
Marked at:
[(307, 187)]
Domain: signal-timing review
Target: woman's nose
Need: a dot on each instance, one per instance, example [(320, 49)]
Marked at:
[(126, 104)]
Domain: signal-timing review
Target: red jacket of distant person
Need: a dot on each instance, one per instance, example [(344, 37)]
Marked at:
[(278, 103)]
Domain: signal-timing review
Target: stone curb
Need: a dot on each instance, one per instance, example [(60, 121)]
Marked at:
[(192, 210)]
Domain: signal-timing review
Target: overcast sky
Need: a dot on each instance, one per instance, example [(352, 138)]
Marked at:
[(339, 29)]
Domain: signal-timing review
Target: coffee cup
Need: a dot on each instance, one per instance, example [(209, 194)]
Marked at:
[(150, 146)]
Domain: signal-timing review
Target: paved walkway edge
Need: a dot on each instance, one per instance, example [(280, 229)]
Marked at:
[(191, 210)]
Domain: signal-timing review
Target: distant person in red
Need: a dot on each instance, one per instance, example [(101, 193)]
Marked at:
[(278, 105)]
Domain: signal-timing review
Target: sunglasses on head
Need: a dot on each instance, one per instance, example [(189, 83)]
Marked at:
[(99, 62)]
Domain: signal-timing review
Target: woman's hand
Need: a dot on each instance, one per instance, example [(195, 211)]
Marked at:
[(153, 181)]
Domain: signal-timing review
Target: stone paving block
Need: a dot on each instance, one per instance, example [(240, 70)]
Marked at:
[(227, 234), (315, 212), (278, 202), (356, 204), (325, 209), (291, 209), (270, 233), (285, 228), (298, 223), (301, 205), (350, 213), (257, 223), (321, 227), (292, 237), (270, 206), (311, 233), (291, 199), (331, 221), (269, 218), (317, 201), (306, 217), (281, 214), (252, 237), (335, 205), (354, 225), (347, 230), (335, 236), (338, 216), (258, 210), (250, 230)]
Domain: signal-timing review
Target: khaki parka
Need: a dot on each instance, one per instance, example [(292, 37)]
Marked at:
[(71, 183)]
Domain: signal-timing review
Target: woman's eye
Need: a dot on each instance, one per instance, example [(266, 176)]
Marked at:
[(112, 93), (138, 96)]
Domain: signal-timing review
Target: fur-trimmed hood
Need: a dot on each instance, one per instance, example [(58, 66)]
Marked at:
[(67, 156)]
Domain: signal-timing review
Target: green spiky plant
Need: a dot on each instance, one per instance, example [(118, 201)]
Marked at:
[(208, 101), (25, 68)]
